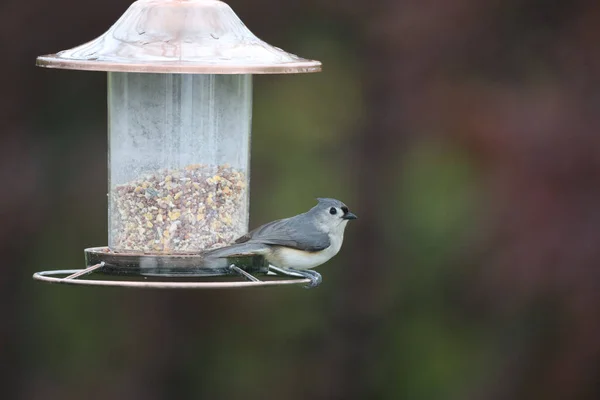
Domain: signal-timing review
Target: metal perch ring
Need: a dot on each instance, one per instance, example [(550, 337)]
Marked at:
[(74, 274)]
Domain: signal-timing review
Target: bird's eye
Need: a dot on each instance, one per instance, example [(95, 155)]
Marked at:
[(332, 211)]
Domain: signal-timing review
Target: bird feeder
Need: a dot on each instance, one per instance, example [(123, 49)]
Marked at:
[(179, 127)]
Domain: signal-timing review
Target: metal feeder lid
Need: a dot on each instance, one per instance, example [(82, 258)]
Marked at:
[(179, 36)]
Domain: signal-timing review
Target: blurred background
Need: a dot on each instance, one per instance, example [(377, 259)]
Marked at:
[(463, 133)]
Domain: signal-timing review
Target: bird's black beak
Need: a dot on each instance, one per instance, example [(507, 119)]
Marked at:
[(349, 215)]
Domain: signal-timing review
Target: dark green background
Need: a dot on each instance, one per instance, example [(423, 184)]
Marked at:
[(463, 133)]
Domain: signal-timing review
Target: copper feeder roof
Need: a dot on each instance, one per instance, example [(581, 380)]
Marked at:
[(179, 36)]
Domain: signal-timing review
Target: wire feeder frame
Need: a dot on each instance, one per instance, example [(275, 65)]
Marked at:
[(75, 275)]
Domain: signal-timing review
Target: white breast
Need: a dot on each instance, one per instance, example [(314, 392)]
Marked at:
[(285, 257)]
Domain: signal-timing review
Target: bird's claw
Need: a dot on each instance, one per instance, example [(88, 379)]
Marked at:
[(314, 276)]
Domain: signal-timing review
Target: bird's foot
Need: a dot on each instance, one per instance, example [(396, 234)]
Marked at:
[(314, 276)]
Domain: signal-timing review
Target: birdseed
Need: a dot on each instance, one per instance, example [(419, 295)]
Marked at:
[(195, 208)]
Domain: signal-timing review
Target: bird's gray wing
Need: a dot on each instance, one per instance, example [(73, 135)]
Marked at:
[(297, 232), (237, 250)]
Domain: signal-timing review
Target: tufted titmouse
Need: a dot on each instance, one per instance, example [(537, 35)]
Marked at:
[(294, 245)]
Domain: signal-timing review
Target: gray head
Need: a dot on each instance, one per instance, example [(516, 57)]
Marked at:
[(332, 213)]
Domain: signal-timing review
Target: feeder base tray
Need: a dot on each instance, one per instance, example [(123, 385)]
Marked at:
[(171, 265), (176, 271)]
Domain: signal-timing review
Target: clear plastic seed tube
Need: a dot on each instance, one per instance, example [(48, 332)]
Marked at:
[(179, 153)]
